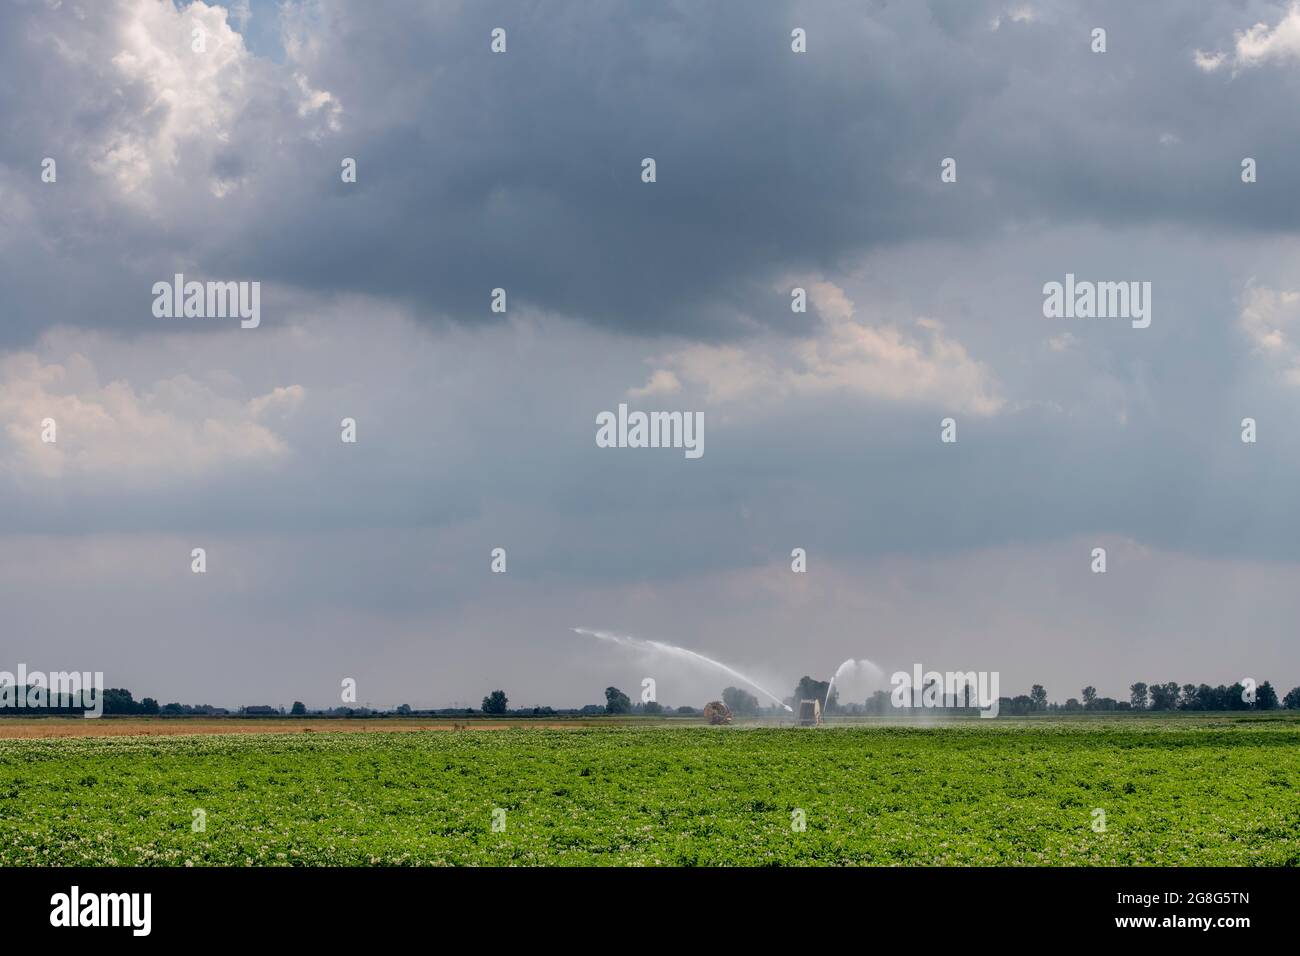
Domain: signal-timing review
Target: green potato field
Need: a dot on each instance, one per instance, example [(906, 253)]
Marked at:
[(1212, 790)]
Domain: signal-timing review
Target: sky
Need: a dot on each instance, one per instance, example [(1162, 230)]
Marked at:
[(476, 429)]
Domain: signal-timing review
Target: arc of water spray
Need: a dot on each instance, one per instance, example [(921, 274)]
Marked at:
[(839, 670), (831, 686), (627, 641)]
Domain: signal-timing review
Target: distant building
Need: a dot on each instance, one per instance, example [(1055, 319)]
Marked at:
[(260, 710)]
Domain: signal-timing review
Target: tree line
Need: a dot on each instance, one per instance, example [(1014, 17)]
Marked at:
[(1169, 696)]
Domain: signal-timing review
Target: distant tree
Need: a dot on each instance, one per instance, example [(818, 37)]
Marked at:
[(1265, 697), (1163, 696), (1021, 704), (172, 709), (741, 702), (688, 711), (298, 709), (1137, 696), (653, 707), (403, 710), (118, 700), (1038, 694), (616, 702), (1187, 699), (1292, 699), (1073, 704), (149, 706), (809, 689), (878, 703), (1089, 696), (1171, 693), (495, 702), (1158, 696), (1235, 698), (1205, 699)]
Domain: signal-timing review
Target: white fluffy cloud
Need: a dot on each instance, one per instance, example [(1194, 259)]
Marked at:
[(120, 435), (1258, 45), (916, 364), (1270, 318), (166, 111)]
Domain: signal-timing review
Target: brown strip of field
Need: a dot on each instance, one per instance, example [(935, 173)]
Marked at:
[(36, 727)]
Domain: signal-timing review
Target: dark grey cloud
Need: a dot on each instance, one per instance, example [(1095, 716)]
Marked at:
[(522, 170)]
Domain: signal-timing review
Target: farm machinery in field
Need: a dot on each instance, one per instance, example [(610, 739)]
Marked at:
[(810, 713), (717, 713)]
